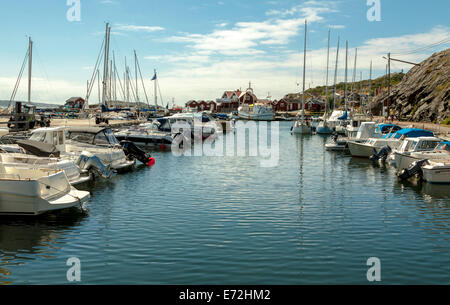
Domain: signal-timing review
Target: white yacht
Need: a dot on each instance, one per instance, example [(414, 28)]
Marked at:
[(373, 145), (34, 191), (256, 112)]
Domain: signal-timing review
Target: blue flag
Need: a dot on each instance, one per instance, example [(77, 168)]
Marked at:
[(167, 106), (154, 77)]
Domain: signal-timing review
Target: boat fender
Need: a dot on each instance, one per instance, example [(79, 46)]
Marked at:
[(151, 161)]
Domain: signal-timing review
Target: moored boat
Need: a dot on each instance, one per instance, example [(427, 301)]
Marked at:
[(34, 191)]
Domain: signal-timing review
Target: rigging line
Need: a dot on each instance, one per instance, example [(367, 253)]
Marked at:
[(120, 83), (142, 81), (132, 89), (441, 42), (97, 64), (16, 87), (41, 65), (159, 89)]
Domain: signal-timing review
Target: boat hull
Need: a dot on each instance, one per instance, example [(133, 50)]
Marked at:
[(439, 174), (361, 150), (301, 128), (256, 117), (35, 197)]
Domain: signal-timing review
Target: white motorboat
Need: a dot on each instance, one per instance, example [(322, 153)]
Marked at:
[(355, 122), (401, 158), (73, 172), (98, 141), (437, 171), (34, 191), (373, 145), (256, 112), (202, 125), (366, 130), (150, 135)]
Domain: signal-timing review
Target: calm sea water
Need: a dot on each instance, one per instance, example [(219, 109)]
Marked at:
[(314, 219)]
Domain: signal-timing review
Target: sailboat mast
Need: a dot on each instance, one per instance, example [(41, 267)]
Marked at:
[(304, 73), (105, 65), (136, 77), (156, 95), (335, 73), (30, 65), (326, 88), (346, 73)]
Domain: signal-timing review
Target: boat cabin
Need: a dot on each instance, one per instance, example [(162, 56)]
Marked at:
[(419, 144), (100, 136)]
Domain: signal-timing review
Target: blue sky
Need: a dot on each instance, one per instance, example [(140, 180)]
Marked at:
[(203, 47)]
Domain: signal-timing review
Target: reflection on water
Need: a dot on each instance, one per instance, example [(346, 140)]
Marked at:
[(315, 218), (25, 239)]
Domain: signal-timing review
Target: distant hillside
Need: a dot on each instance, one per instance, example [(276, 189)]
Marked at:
[(5, 104), (424, 93), (380, 82)]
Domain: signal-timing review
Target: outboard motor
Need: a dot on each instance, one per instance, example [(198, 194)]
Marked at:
[(91, 163), (415, 168), (382, 154), (334, 137), (131, 150)]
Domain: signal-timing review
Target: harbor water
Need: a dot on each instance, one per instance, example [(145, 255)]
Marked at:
[(315, 218)]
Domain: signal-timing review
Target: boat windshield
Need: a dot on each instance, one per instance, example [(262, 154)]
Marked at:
[(408, 145), (82, 137), (443, 147), (38, 136), (111, 137)]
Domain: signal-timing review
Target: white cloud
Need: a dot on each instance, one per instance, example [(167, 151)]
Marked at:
[(137, 28)]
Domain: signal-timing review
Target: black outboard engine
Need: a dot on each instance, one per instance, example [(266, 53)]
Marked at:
[(415, 168), (334, 137), (382, 154), (131, 150)]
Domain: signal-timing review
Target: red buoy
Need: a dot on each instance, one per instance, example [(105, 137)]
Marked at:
[(151, 161)]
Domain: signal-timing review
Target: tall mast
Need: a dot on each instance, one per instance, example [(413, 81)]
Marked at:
[(354, 70), (328, 61), (105, 65), (304, 72), (156, 95), (30, 65), (370, 87), (335, 73), (346, 72), (136, 77)]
